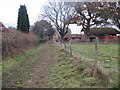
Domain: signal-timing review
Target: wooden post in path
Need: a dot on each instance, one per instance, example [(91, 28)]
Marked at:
[(96, 56)]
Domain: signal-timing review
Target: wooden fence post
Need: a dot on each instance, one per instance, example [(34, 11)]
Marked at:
[(64, 45), (96, 56), (70, 49)]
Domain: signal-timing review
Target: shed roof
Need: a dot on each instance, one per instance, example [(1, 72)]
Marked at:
[(103, 31), (2, 27), (75, 35)]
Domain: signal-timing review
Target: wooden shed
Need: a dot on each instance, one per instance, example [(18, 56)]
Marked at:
[(104, 34)]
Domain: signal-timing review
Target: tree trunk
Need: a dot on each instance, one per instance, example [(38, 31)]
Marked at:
[(87, 32), (62, 39), (63, 43), (96, 56)]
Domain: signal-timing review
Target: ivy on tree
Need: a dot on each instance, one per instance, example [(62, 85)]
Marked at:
[(23, 20)]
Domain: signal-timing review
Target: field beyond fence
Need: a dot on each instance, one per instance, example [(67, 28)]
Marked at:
[(107, 57)]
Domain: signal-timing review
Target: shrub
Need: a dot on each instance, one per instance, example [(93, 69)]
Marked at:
[(14, 42)]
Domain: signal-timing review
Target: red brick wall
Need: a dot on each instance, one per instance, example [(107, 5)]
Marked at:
[(110, 38)]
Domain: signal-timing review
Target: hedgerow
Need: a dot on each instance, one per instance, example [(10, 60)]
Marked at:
[(15, 42)]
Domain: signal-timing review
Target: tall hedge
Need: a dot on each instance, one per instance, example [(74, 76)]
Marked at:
[(15, 42)]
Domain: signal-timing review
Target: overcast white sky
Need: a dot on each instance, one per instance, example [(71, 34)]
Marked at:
[(9, 12)]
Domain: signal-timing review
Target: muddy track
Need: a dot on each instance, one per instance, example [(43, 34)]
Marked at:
[(42, 73), (33, 72)]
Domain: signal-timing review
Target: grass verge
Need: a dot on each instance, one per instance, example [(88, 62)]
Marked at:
[(21, 68), (8, 63), (69, 73), (107, 61)]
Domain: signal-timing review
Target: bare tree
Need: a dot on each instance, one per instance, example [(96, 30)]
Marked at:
[(90, 14), (60, 13), (112, 13)]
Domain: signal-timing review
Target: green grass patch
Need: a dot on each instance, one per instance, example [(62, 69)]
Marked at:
[(8, 63), (68, 75), (64, 72), (88, 49), (108, 57)]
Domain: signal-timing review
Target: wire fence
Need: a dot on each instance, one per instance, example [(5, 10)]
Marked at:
[(107, 53), (107, 57)]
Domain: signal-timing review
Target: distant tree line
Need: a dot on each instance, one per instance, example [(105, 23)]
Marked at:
[(86, 14), (61, 14), (41, 28)]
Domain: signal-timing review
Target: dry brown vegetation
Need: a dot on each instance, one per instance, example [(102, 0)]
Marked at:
[(15, 42)]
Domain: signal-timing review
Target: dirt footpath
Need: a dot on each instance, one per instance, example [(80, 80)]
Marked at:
[(42, 73), (34, 72)]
